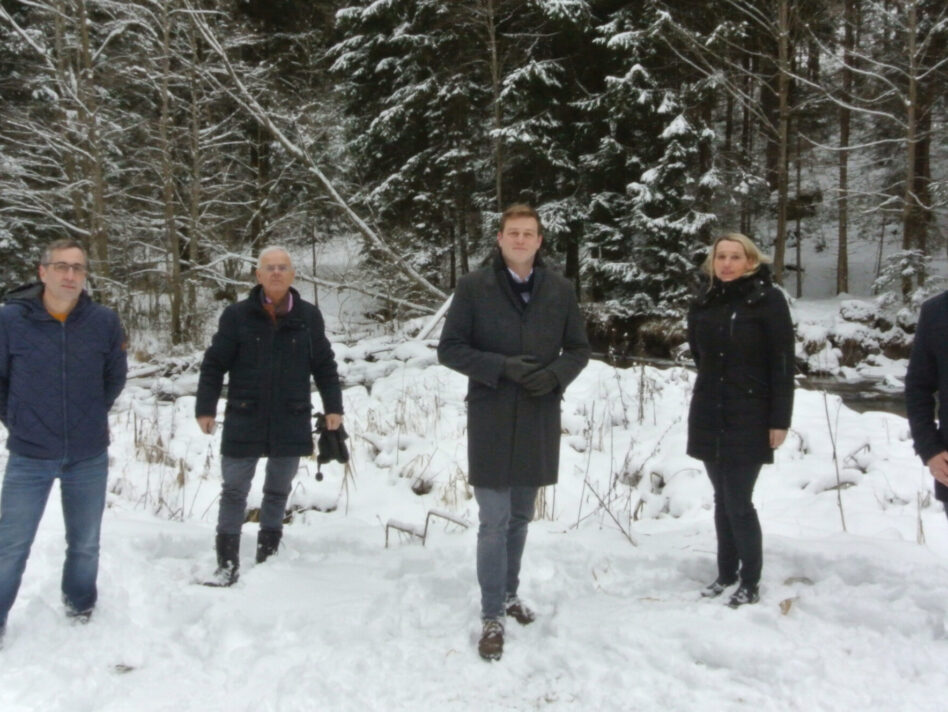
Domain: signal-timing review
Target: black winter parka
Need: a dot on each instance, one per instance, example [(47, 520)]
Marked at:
[(513, 438), (268, 394), (742, 342)]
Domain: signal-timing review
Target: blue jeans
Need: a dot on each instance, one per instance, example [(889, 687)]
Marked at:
[(238, 474), (504, 515), (26, 487)]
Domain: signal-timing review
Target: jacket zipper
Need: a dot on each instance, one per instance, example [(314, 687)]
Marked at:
[(65, 409)]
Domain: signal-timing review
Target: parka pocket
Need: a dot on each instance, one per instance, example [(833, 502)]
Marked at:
[(242, 406), (297, 425)]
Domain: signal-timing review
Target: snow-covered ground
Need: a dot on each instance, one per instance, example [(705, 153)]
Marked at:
[(850, 618)]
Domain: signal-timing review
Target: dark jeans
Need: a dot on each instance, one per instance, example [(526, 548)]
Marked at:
[(504, 515), (26, 487), (238, 473), (735, 521)]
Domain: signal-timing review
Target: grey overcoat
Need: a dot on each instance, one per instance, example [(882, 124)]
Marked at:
[(513, 438)]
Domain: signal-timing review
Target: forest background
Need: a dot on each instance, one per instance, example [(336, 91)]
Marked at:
[(178, 137)]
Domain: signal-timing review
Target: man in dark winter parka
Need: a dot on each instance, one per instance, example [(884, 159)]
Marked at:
[(270, 343), (927, 376), (515, 329), (62, 365)]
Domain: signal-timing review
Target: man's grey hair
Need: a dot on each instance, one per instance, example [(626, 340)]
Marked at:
[(269, 251), (65, 243)]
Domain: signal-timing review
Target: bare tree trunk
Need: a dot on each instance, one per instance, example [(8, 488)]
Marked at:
[(910, 200), (260, 160), (747, 140), (70, 167), (167, 180), (783, 95), (94, 158), (923, 173), (798, 228), (845, 120), (197, 169), (495, 88), (728, 123)]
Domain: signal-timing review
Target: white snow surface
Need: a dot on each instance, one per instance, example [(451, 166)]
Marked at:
[(849, 619)]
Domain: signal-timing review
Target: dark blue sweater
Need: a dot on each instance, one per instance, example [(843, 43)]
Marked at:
[(58, 380)]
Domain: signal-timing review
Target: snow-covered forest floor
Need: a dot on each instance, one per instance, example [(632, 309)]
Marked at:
[(849, 618)]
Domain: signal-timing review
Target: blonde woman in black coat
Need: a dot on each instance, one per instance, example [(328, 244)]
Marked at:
[(741, 339)]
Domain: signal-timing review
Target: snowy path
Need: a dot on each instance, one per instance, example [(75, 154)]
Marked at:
[(338, 622), (847, 621)]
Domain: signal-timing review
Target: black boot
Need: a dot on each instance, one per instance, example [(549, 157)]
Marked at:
[(268, 542), (228, 560), (745, 594)]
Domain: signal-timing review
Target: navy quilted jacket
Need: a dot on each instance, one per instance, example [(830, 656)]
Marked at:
[(269, 368), (58, 380)]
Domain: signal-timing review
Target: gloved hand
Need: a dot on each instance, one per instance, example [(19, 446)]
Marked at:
[(517, 367), (540, 382), (330, 446)]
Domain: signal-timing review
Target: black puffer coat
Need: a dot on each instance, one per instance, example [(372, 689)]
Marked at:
[(513, 438), (742, 341), (268, 402)]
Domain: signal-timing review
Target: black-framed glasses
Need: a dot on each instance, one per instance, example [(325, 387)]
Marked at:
[(64, 267)]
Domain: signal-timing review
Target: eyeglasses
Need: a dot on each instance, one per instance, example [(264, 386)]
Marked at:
[(64, 267), (276, 268)]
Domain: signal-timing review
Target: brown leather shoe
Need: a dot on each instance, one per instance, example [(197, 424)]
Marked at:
[(491, 644), (519, 611)]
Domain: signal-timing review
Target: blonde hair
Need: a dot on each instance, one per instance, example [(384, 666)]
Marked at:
[(751, 250), (521, 210)]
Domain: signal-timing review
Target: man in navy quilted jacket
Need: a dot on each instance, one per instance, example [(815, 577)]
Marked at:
[(62, 365), (269, 346)]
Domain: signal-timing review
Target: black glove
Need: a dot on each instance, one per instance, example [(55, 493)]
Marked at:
[(516, 368), (541, 382), (331, 445)]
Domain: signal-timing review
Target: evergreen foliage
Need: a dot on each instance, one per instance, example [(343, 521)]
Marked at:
[(636, 128)]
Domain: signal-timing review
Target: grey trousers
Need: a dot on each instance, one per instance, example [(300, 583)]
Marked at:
[(238, 474), (504, 515)]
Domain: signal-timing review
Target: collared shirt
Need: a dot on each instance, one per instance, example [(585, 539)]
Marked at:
[(284, 307), (522, 286)]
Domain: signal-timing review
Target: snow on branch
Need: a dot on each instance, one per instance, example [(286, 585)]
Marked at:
[(245, 99), (425, 309)]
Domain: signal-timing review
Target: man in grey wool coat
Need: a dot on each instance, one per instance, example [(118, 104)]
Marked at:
[(515, 330)]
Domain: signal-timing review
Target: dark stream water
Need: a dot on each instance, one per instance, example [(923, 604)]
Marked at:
[(861, 396)]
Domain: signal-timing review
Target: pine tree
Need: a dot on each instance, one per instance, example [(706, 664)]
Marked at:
[(646, 220), (415, 87)]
